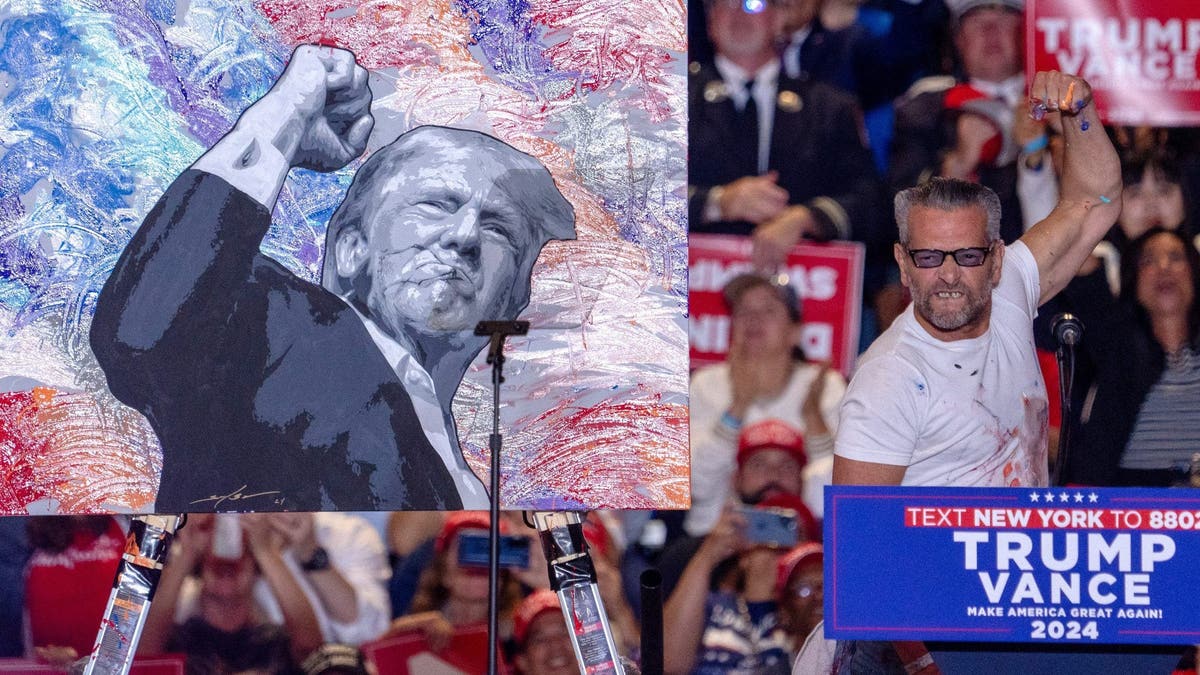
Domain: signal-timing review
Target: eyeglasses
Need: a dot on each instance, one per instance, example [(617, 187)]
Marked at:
[(926, 258)]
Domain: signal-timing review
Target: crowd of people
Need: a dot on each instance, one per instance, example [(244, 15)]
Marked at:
[(805, 117)]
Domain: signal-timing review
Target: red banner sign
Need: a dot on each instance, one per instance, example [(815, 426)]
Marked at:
[(170, 664), (827, 278), (1140, 56), (411, 654)]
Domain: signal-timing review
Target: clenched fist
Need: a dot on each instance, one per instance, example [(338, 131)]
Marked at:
[(321, 105)]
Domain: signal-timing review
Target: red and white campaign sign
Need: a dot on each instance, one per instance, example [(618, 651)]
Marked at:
[(1138, 55), (827, 278), (410, 653)]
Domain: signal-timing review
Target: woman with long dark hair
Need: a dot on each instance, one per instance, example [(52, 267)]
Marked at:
[(1140, 418)]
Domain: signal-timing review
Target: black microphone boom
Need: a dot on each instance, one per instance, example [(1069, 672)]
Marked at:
[(498, 330), (1067, 329), (502, 327)]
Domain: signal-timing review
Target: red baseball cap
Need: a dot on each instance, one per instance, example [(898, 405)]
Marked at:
[(463, 520), (774, 434), (999, 149), (806, 554), (534, 605)]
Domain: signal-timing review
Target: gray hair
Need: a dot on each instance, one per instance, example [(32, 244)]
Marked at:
[(948, 194), (547, 212)]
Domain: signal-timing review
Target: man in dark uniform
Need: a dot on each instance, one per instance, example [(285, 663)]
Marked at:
[(773, 157), (962, 128)]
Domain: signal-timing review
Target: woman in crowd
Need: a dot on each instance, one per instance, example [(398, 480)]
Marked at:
[(800, 587), (735, 627), (1153, 196), (1139, 420), (764, 377), (450, 595), (540, 639), (800, 590)]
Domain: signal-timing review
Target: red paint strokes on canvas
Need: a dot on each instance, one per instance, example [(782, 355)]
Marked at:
[(616, 42), (19, 452), (62, 450), (381, 34), (624, 451)]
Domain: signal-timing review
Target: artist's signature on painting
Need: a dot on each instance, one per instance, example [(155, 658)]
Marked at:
[(238, 495)]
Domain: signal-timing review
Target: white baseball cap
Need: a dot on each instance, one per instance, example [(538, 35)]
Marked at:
[(959, 8)]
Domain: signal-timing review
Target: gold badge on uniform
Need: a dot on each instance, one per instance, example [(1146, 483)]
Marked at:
[(789, 101), (715, 91)]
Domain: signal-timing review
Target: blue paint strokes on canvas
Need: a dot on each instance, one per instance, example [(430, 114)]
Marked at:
[(74, 117), (510, 43), (104, 109), (161, 10)]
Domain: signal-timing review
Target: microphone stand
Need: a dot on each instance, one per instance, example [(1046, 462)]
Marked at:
[(1065, 355), (652, 622), (496, 331)]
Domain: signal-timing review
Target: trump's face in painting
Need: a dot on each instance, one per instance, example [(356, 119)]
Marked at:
[(450, 225)]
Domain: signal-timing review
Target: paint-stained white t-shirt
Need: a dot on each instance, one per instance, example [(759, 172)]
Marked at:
[(961, 413)]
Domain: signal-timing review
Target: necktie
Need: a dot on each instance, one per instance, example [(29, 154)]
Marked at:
[(747, 130), (749, 115)]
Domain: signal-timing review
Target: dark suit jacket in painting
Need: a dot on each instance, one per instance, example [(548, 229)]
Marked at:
[(266, 391), (816, 146)]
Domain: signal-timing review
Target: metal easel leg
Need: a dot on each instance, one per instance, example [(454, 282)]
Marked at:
[(573, 578), (141, 566)]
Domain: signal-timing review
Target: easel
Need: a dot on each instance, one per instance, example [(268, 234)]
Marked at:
[(141, 565)]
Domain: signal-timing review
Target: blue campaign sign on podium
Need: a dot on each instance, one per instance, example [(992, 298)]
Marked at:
[(1083, 566)]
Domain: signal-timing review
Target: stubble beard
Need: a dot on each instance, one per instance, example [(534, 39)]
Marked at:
[(971, 312), (432, 308)]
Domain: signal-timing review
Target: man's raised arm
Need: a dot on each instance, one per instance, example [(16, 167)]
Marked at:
[(175, 286), (1090, 197), (316, 116)]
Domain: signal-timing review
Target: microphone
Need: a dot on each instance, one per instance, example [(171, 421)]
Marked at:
[(1067, 329)]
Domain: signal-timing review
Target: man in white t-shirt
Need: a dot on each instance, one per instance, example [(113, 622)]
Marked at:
[(952, 394)]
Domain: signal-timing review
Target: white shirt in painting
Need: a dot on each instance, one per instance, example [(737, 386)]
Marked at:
[(438, 424)]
